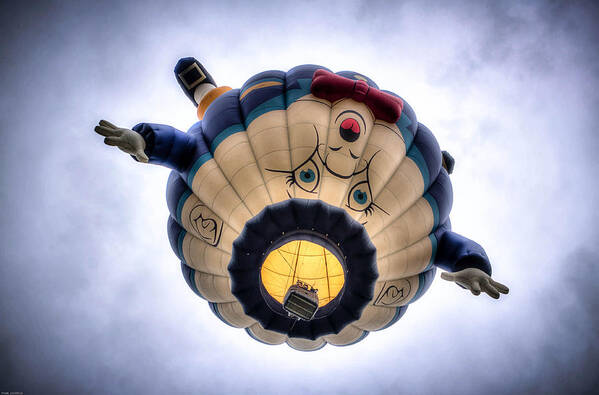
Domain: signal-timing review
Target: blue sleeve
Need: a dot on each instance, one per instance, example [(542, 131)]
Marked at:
[(167, 146), (455, 253)]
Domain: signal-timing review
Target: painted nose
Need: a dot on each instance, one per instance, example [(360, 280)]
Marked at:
[(349, 130)]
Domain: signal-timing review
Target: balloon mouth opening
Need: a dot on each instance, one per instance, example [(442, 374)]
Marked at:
[(304, 274), (331, 232)]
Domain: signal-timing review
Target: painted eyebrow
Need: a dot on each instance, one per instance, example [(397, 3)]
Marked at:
[(352, 111), (394, 132)]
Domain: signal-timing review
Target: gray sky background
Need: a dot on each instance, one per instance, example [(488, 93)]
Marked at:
[(91, 296)]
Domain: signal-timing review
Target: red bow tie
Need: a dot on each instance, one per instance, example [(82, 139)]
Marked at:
[(333, 87)]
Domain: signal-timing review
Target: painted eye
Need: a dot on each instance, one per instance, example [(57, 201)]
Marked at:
[(349, 130), (307, 175), (360, 196)]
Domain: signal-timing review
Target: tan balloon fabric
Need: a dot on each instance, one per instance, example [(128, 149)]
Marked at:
[(406, 262), (211, 187), (232, 312), (348, 335), (236, 159), (305, 344), (266, 336), (416, 223), (375, 317), (403, 189), (308, 122), (203, 257), (270, 143), (214, 288)]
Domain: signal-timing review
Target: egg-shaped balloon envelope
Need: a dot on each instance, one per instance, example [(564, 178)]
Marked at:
[(304, 212)]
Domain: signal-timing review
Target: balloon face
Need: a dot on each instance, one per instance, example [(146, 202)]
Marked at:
[(286, 187), (347, 140), (340, 159)]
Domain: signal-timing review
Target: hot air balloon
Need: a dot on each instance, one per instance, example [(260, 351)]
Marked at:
[(307, 207)]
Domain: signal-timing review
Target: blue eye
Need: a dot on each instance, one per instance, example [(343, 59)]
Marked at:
[(307, 175), (360, 197)]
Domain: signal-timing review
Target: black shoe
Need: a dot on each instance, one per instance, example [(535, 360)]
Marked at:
[(448, 162), (189, 74)]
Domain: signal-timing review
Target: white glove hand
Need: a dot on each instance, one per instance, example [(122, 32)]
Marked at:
[(476, 280), (126, 140)]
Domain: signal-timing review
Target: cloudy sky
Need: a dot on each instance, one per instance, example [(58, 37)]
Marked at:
[(91, 295)]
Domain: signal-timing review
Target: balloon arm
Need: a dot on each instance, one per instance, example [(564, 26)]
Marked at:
[(456, 252), (124, 139), (167, 146), (477, 281)]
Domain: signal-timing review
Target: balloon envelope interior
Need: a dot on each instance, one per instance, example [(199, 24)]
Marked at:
[(305, 261)]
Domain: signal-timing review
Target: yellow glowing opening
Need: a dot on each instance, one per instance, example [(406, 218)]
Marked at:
[(306, 261)]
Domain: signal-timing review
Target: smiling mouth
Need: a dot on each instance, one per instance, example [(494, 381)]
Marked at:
[(350, 153)]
